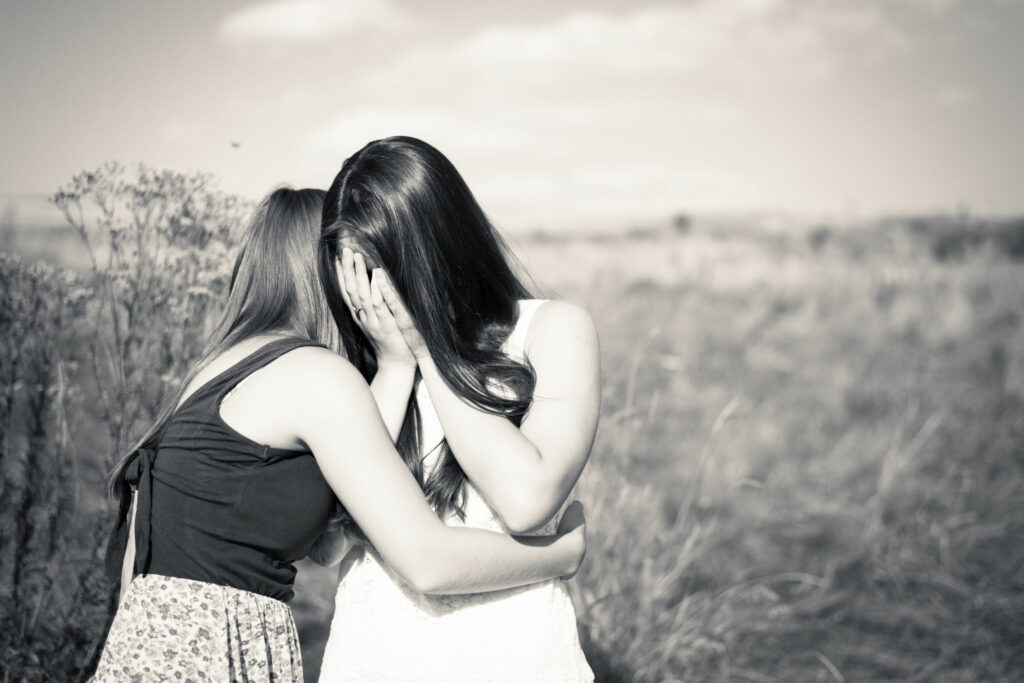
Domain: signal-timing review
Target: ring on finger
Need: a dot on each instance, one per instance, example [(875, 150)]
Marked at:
[(359, 310)]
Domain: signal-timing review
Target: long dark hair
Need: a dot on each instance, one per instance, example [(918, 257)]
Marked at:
[(275, 288), (404, 204)]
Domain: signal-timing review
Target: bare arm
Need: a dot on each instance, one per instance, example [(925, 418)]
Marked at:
[(128, 564), (396, 365), (334, 413), (524, 473), (391, 387), (332, 546)]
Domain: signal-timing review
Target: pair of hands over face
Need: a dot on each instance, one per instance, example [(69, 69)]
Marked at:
[(381, 314), (379, 311)]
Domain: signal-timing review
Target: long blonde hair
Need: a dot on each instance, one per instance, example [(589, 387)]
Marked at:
[(275, 288)]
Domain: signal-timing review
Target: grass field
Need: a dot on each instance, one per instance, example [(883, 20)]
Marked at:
[(810, 464)]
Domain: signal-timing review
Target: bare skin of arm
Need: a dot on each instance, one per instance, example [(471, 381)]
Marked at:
[(391, 387), (332, 547), (128, 565), (314, 398), (396, 366), (525, 473)]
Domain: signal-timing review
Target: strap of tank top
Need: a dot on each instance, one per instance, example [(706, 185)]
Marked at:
[(266, 354), (138, 473), (221, 384)]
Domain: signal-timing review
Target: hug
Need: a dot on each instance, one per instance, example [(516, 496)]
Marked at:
[(385, 393)]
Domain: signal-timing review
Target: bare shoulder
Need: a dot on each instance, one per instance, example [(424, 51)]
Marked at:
[(314, 374), (561, 326)]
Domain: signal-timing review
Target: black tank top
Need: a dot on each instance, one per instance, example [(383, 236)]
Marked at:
[(218, 507)]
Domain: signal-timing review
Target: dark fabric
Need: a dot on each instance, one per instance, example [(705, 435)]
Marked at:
[(216, 506)]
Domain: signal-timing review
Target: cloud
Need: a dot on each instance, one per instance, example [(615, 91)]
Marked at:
[(600, 116), (527, 169), (935, 7), (955, 96), (310, 21), (680, 56), (466, 131)]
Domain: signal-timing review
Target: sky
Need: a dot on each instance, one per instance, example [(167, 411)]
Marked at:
[(567, 114)]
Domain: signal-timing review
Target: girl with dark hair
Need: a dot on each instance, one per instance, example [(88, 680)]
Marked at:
[(492, 397), (245, 467)]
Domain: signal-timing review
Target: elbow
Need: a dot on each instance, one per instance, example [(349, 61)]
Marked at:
[(429, 578), (426, 582), (322, 559), (527, 513), (424, 567), (529, 502), (520, 525), (318, 556), (330, 548)]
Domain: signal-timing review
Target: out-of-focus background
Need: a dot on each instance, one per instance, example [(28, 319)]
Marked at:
[(797, 224)]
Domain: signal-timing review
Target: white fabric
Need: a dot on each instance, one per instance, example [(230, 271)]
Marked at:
[(384, 631)]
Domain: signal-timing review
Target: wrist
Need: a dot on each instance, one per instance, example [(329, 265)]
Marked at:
[(574, 543), (394, 373), (396, 365)]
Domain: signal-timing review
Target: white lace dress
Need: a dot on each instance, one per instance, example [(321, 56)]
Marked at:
[(384, 631)]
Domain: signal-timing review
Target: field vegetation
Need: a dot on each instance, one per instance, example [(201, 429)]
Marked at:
[(810, 464)]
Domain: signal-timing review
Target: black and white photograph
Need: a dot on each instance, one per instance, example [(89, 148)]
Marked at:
[(548, 341)]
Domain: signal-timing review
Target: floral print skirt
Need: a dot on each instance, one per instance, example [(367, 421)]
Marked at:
[(170, 629)]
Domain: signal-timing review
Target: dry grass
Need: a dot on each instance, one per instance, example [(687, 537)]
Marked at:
[(810, 465), (810, 459)]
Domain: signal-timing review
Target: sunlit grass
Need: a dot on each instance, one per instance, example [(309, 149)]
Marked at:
[(810, 465), (810, 460)]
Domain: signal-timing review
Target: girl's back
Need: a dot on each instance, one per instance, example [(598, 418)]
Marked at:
[(220, 519)]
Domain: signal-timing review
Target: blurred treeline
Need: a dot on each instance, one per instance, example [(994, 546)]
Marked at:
[(810, 465)]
